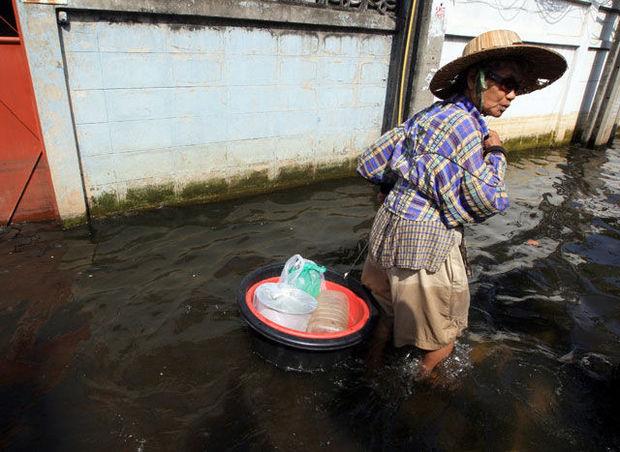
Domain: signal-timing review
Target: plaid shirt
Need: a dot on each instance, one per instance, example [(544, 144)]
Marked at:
[(442, 180), (397, 242), (436, 158)]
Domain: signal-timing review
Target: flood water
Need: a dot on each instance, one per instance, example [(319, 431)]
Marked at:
[(132, 340)]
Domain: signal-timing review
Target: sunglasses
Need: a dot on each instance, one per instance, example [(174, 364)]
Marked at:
[(506, 84)]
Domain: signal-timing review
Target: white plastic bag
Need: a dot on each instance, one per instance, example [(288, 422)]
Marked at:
[(303, 274)]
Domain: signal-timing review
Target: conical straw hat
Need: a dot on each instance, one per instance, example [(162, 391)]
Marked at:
[(543, 66)]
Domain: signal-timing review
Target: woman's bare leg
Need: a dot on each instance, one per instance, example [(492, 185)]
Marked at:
[(434, 357)]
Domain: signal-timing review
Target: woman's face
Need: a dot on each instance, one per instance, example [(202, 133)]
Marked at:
[(502, 86)]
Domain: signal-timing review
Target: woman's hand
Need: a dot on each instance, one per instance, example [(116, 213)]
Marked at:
[(492, 140)]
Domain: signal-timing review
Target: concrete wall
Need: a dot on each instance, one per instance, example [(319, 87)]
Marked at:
[(40, 33), (150, 101), (158, 103), (168, 102)]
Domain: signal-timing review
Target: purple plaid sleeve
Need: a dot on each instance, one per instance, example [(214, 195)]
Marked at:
[(437, 157), (373, 164)]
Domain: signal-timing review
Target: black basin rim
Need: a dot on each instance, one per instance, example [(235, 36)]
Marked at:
[(310, 344)]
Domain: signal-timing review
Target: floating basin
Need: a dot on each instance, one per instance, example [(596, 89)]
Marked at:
[(362, 313)]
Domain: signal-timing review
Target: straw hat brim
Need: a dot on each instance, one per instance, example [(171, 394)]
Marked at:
[(545, 66)]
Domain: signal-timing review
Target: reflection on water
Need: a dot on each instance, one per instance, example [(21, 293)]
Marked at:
[(133, 341)]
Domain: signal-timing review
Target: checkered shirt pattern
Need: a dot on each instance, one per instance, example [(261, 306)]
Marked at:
[(442, 180), (397, 242), (436, 159)]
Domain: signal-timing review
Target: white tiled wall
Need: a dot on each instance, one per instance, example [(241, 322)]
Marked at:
[(156, 104)]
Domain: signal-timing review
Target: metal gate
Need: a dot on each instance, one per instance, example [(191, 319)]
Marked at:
[(26, 192)]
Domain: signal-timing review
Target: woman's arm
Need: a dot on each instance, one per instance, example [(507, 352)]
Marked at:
[(469, 184), (373, 164), (483, 188)]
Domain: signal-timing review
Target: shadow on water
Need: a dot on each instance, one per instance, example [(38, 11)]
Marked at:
[(133, 341)]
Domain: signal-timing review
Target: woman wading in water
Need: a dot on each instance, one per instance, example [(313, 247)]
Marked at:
[(440, 169)]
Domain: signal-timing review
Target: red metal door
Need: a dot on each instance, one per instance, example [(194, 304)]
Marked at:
[(26, 192)]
